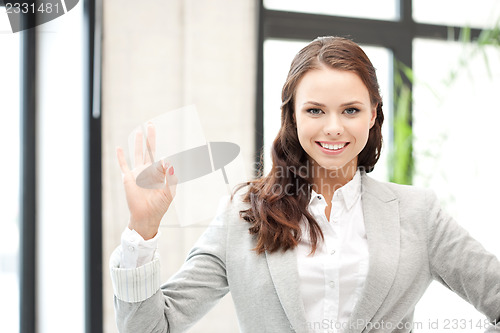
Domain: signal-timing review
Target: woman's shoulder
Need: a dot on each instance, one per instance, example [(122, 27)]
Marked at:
[(390, 191), (413, 202), (231, 205)]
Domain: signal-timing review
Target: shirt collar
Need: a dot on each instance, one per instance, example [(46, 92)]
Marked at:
[(349, 193)]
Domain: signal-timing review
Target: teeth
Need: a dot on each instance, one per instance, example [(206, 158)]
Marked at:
[(332, 147)]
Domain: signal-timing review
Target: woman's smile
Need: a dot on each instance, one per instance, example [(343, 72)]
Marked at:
[(332, 148)]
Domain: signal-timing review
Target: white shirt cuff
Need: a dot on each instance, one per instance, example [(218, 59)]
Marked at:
[(134, 284), (135, 250)]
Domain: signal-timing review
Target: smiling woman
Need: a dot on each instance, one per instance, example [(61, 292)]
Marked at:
[(323, 243)]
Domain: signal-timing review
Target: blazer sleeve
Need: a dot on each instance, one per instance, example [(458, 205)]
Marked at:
[(461, 263), (184, 298)]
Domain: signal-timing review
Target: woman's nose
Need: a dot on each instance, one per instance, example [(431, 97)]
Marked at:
[(333, 126)]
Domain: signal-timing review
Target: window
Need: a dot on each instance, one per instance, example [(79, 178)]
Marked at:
[(60, 189), (9, 170)]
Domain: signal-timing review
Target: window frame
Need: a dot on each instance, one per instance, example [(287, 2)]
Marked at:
[(28, 180), (92, 11)]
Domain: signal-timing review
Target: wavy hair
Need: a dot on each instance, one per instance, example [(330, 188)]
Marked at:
[(278, 201)]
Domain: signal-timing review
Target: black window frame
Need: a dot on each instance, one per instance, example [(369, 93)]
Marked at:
[(92, 11), (397, 35), (27, 182)]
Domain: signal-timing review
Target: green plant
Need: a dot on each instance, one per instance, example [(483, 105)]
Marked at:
[(401, 166)]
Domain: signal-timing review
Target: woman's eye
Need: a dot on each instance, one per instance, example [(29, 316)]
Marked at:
[(314, 111), (351, 111)]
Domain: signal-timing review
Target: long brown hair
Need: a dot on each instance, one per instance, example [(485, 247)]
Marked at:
[(279, 200)]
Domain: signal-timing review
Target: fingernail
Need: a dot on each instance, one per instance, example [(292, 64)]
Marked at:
[(171, 170)]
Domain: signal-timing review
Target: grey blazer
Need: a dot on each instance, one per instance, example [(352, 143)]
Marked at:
[(411, 242)]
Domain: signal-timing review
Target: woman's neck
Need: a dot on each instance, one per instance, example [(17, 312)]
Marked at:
[(327, 181)]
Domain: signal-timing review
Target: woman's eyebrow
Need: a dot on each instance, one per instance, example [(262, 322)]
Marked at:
[(314, 103), (351, 103), (341, 105)]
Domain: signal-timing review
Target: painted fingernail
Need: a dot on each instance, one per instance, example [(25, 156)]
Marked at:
[(171, 171)]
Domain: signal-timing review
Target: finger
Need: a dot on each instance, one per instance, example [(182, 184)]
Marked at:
[(171, 180), (121, 160), (150, 143), (138, 154)]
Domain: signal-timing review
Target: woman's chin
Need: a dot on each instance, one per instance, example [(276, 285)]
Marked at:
[(330, 166), (345, 167)]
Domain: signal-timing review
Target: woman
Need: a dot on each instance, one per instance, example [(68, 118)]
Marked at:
[(316, 245)]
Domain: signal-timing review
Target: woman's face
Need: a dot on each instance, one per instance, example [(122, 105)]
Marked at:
[(334, 114)]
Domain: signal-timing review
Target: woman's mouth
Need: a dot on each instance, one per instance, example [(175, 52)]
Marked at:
[(332, 146)]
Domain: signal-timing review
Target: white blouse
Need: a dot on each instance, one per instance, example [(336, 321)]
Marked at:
[(332, 279)]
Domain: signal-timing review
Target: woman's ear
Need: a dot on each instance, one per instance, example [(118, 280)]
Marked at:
[(374, 116)]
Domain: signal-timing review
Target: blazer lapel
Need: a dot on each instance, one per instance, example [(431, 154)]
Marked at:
[(381, 216), (285, 276)]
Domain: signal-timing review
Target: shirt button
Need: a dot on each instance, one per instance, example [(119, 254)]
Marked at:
[(332, 284), (131, 248), (333, 252), (319, 197)]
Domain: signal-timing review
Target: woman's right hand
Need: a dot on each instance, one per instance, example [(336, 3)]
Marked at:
[(147, 205)]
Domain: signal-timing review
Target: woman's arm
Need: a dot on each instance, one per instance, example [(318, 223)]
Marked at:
[(461, 263), (141, 305)]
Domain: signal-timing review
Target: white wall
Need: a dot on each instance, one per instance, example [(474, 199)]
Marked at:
[(160, 56)]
